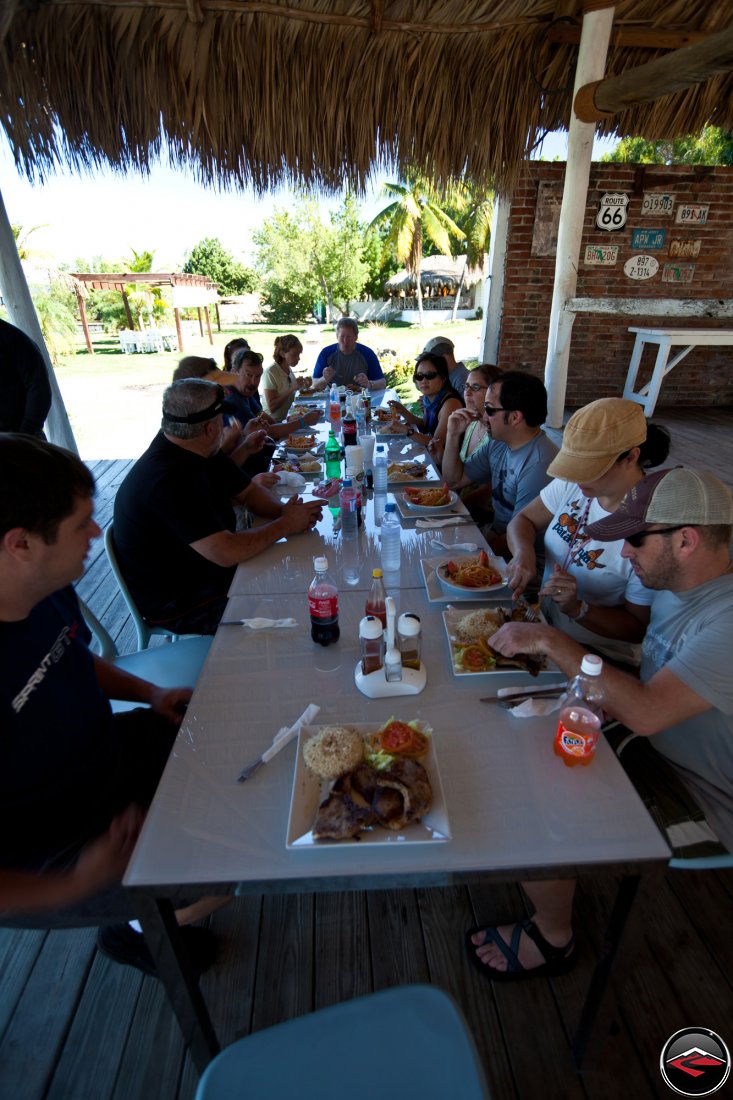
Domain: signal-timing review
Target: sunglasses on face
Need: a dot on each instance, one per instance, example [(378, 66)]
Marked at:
[(428, 377), (638, 539), (491, 409), (475, 387)]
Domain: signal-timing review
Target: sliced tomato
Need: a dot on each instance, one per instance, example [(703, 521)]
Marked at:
[(473, 659), (483, 558), (451, 568), (402, 740)]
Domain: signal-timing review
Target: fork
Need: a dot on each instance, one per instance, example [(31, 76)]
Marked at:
[(532, 614)]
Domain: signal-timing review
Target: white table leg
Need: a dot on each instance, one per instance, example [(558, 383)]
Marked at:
[(636, 354)]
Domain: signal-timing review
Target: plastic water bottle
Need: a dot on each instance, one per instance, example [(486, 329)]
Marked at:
[(380, 469), (360, 417), (581, 714), (323, 604), (390, 539), (347, 497), (334, 409)]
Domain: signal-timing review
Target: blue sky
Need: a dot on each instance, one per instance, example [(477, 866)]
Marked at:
[(108, 215)]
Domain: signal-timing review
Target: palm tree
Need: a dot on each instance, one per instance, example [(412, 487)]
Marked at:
[(477, 226), (416, 210), (21, 236)]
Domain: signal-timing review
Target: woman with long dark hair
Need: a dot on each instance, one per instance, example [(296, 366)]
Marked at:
[(439, 400)]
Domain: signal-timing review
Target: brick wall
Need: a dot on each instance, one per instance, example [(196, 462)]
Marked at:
[(601, 344)]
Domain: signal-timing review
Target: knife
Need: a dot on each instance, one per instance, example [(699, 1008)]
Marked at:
[(282, 738), (529, 693)]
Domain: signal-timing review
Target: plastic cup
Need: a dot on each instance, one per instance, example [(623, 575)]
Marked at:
[(367, 445)]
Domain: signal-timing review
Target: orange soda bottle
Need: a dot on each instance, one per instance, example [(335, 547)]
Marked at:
[(581, 715)]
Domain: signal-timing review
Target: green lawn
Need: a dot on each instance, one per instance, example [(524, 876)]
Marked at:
[(113, 400)]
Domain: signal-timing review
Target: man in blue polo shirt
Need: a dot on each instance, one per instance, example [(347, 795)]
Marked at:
[(347, 363)]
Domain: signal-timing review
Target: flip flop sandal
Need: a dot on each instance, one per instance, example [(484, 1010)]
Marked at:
[(558, 960)]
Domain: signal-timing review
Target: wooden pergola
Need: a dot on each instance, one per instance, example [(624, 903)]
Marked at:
[(198, 290)]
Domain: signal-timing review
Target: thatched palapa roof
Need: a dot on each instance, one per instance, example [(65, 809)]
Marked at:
[(436, 273), (263, 92)]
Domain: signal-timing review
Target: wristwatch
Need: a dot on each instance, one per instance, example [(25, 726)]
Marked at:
[(583, 611), (411, 430)]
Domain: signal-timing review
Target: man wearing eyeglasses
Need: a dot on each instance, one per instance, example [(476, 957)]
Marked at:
[(676, 526), (514, 462), (175, 525)]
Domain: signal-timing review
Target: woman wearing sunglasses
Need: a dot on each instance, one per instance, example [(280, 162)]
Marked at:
[(588, 590), (439, 400)]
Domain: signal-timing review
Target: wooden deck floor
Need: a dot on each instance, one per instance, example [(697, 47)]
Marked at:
[(75, 1027)]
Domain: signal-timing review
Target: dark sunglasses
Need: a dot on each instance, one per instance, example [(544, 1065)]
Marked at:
[(475, 386), (491, 409), (637, 540), (426, 377)]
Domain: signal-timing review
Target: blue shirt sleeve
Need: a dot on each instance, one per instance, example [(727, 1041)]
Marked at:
[(322, 360), (374, 371)]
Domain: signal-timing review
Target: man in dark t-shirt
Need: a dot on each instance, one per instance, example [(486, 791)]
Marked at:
[(25, 392), (174, 522), (73, 776)]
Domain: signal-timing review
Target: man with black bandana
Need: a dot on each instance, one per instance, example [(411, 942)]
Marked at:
[(174, 521)]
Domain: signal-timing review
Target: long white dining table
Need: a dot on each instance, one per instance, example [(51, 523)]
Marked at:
[(515, 811)]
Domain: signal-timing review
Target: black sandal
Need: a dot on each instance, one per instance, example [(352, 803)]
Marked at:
[(558, 960)]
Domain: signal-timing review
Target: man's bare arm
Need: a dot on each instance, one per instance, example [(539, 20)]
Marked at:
[(451, 468), (646, 708), (227, 548)]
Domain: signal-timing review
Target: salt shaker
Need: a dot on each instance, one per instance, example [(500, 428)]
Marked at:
[(409, 639)]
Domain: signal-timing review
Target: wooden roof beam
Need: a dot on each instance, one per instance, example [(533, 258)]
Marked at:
[(643, 38), (676, 71)]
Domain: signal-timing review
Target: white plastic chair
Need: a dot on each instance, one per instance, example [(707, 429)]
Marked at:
[(410, 1041), (175, 665)]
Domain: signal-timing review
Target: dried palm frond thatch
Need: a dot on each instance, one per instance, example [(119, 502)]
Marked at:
[(437, 273), (318, 91)]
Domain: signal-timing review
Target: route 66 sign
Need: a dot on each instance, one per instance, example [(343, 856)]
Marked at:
[(612, 212)]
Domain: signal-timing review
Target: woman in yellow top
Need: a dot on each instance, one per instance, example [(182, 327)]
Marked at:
[(279, 384)]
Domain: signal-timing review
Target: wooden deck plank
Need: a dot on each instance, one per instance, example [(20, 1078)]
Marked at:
[(285, 965), (152, 1060), (341, 948), (96, 1041), (397, 944), (19, 951), (46, 1008)]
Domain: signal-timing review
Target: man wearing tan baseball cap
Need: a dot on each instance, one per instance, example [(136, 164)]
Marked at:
[(677, 527)]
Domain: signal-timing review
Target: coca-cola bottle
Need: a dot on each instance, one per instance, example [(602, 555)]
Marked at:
[(323, 604)]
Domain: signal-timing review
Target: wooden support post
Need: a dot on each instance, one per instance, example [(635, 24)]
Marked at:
[(84, 323), (218, 318), (201, 321), (128, 311), (594, 37), (179, 330), (22, 314), (208, 324), (494, 298)]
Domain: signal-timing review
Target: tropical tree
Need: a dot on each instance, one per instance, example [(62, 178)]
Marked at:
[(56, 309), (475, 221), (711, 146), (21, 236), (415, 213), (210, 258), (303, 260)]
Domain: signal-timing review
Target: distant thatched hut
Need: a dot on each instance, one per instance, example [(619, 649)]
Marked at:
[(441, 278)]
